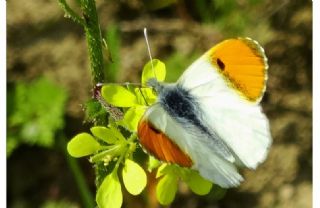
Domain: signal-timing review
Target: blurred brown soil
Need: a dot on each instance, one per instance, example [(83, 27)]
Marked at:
[(42, 42)]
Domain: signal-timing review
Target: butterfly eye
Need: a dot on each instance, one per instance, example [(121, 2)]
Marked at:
[(220, 64)]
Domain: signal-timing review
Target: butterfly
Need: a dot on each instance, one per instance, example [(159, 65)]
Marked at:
[(211, 120)]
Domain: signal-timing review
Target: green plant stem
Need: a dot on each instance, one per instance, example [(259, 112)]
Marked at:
[(101, 155), (70, 13), (90, 22), (94, 40), (124, 153), (122, 156), (86, 197)]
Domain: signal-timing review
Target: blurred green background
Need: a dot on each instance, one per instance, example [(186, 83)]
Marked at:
[(48, 80)]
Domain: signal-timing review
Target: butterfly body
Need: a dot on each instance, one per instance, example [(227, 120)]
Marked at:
[(210, 119)]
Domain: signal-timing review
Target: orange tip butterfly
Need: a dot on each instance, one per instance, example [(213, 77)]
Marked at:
[(210, 119)]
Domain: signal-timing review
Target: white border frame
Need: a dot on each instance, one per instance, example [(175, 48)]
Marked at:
[(3, 112), (316, 103)]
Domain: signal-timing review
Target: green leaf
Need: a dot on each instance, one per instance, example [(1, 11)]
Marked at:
[(109, 194), (12, 143), (145, 96), (104, 134), (36, 112), (94, 112), (118, 96), (132, 117), (196, 183), (167, 188), (165, 168), (134, 177), (117, 133), (153, 163), (158, 71), (82, 144)]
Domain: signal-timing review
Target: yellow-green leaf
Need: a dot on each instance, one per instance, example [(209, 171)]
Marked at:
[(104, 134), (134, 177), (132, 117), (165, 168), (153, 163), (158, 71), (197, 183), (109, 194), (117, 133), (118, 95), (82, 144), (167, 188), (145, 96)]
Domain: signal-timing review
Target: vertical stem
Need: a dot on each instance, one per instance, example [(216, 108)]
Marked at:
[(85, 193), (90, 22), (94, 42), (94, 39)]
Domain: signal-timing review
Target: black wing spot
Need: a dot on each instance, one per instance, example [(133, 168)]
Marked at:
[(220, 64)]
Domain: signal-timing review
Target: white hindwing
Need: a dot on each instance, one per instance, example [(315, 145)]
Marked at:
[(209, 164)]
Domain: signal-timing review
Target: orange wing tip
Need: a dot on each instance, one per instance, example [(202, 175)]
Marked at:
[(161, 146), (258, 49), (243, 65)]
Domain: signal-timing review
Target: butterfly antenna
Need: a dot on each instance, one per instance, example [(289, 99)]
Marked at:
[(149, 51), (145, 100)]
